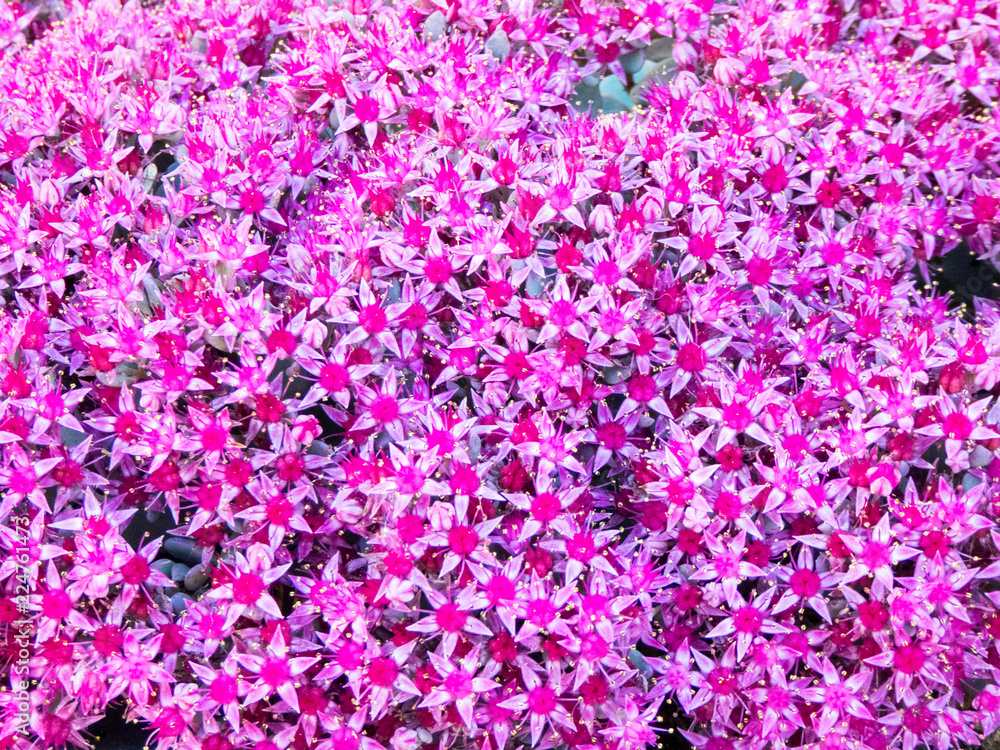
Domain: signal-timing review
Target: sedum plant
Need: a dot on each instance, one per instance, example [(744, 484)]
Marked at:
[(380, 376)]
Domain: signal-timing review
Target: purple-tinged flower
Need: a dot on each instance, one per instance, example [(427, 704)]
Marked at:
[(247, 584)]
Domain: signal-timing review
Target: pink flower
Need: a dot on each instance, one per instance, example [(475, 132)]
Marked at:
[(133, 670), (248, 584), (225, 688), (450, 618), (459, 685), (275, 672), (541, 702)]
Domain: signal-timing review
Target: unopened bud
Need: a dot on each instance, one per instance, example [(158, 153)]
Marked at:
[(314, 334), (727, 71), (684, 54), (405, 739), (602, 219)]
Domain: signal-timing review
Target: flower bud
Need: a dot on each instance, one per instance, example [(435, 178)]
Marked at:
[(348, 512), (684, 54), (404, 739), (441, 516), (727, 71), (314, 334), (602, 219), (651, 207), (306, 429), (712, 217), (952, 377)]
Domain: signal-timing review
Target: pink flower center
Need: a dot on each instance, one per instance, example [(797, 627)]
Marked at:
[(333, 377), (642, 388), (805, 583), (55, 730), (876, 555), (917, 720), (383, 672), (450, 618), (442, 440), (398, 563), (211, 627), (909, 659), (269, 408), (56, 604), (612, 321), (367, 109), (778, 699), (957, 426), (349, 656), (275, 671), (722, 681), (135, 571), (247, 588), (170, 722), (384, 409), (562, 313), (748, 620), (280, 510), (728, 506), (935, 543), (283, 340), (727, 564), (545, 507), (496, 713), (500, 588), (873, 615), (127, 427), (581, 546), (737, 417), (593, 647), (702, 246), (463, 540), (837, 697), (939, 591), (223, 689), (542, 700), (373, 319), (176, 377), (775, 178), (437, 270), (596, 605), (759, 271), (687, 597), (290, 467), (214, 437), (843, 381), (594, 690), (553, 449), (606, 272), (458, 684), (612, 435), (540, 612), (561, 197), (409, 480)]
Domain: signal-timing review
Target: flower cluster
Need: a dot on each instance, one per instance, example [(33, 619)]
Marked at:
[(497, 374)]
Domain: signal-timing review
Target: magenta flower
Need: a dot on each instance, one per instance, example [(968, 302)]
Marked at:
[(505, 371), (132, 670), (275, 673), (450, 618), (459, 685), (541, 702), (248, 584), (225, 688)]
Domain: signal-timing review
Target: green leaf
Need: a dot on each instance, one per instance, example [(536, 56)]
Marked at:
[(70, 437)]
